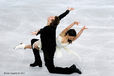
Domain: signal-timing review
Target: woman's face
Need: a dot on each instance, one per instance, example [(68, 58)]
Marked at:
[(50, 19), (71, 37)]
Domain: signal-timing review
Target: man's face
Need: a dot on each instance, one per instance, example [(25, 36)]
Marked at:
[(50, 19)]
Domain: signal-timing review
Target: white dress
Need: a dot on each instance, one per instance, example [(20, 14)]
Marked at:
[(59, 47), (59, 42)]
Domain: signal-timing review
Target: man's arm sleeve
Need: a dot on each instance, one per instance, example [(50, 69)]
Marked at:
[(63, 14), (39, 32)]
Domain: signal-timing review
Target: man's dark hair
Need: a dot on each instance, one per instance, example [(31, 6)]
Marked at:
[(55, 22)]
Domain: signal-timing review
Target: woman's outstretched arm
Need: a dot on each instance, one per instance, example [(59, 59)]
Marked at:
[(66, 29), (80, 32)]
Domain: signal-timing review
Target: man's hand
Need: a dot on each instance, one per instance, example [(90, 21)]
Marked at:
[(34, 33), (70, 9)]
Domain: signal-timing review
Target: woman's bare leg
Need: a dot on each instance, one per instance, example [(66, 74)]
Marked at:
[(28, 47), (23, 46)]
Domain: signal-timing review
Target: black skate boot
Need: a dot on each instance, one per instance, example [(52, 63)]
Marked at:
[(38, 61), (75, 69)]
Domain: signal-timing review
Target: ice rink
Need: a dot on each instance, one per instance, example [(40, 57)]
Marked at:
[(18, 18)]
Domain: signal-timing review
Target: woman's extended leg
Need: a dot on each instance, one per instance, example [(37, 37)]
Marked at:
[(35, 45), (27, 47), (23, 46)]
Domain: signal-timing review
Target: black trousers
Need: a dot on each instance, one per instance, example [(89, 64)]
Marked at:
[(49, 62)]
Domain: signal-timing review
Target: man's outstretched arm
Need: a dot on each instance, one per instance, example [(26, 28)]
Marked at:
[(65, 13)]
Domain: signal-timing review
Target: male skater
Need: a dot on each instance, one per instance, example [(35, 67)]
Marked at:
[(48, 41)]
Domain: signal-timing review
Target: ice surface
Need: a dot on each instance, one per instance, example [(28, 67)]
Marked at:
[(18, 18)]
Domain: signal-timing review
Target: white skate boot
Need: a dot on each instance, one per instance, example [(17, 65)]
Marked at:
[(20, 46)]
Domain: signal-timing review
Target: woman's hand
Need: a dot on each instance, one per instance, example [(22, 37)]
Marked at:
[(77, 23), (84, 28), (70, 9), (34, 33)]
